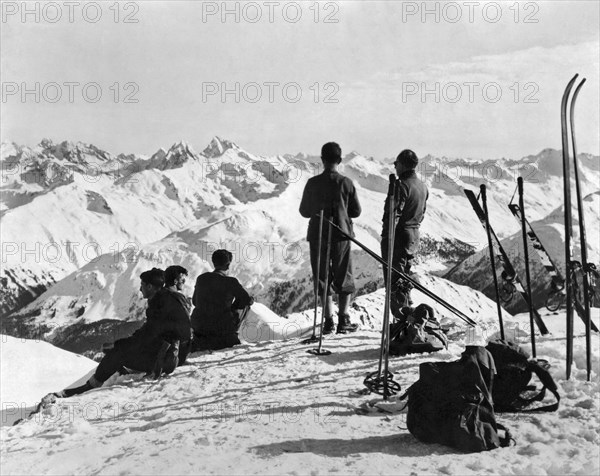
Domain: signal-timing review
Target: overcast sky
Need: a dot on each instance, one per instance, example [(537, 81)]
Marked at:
[(466, 79)]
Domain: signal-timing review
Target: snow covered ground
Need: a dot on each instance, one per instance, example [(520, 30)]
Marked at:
[(272, 408), (32, 368)]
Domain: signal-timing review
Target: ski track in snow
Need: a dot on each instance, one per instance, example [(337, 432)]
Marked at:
[(272, 408)]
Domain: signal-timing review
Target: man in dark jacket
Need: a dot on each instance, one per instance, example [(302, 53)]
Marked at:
[(411, 201), (336, 196), (175, 278), (166, 321), (218, 299)]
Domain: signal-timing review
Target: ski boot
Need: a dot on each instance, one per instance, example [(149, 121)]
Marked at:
[(344, 325), (328, 326), (400, 298), (46, 401)]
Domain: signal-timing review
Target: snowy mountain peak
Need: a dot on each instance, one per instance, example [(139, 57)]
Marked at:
[(218, 146), (159, 155), (74, 152), (177, 155), (181, 148), (46, 143)]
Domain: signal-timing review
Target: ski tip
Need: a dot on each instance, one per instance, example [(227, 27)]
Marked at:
[(568, 89)]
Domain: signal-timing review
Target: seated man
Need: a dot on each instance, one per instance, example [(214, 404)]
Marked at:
[(217, 300), (167, 326), (175, 277)]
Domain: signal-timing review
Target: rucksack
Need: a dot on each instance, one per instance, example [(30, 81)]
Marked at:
[(450, 404), (417, 331), (514, 372)]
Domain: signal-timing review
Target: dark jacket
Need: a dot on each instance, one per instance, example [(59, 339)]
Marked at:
[(167, 318), (216, 297), (411, 203), (336, 195)]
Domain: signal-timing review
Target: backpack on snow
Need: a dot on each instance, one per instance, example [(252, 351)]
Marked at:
[(417, 331), (450, 404), (514, 372)]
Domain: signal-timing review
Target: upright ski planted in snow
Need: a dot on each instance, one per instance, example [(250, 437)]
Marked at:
[(568, 220), (509, 271), (582, 238)]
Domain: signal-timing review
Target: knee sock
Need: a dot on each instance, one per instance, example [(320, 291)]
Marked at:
[(93, 382)]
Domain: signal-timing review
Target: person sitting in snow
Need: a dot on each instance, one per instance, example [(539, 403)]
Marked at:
[(335, 194), (218, 299), (175, 278), (154, 347)]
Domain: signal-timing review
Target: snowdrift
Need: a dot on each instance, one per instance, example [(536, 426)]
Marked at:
[(33, 368)]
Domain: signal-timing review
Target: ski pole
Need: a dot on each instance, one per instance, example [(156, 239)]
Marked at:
[(492, 257), (568, 221), (381, 378), (382, 381), (526, 258), (405, 277), (582, 239), (319, 350), (388, 271), (388, 287), (312, 339)]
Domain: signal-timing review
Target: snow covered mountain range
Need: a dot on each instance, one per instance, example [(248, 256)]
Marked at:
[(79, 225)]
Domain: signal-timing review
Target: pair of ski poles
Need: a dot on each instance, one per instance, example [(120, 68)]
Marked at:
[(382, 381), (325, 308)]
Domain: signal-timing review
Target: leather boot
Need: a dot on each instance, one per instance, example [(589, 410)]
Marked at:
[(344, 324), (328, 325)]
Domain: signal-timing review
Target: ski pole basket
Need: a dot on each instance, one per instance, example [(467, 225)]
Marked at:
[(382, 384)]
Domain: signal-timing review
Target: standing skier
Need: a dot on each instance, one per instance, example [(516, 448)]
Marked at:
[(411, 199), (335, 194)]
